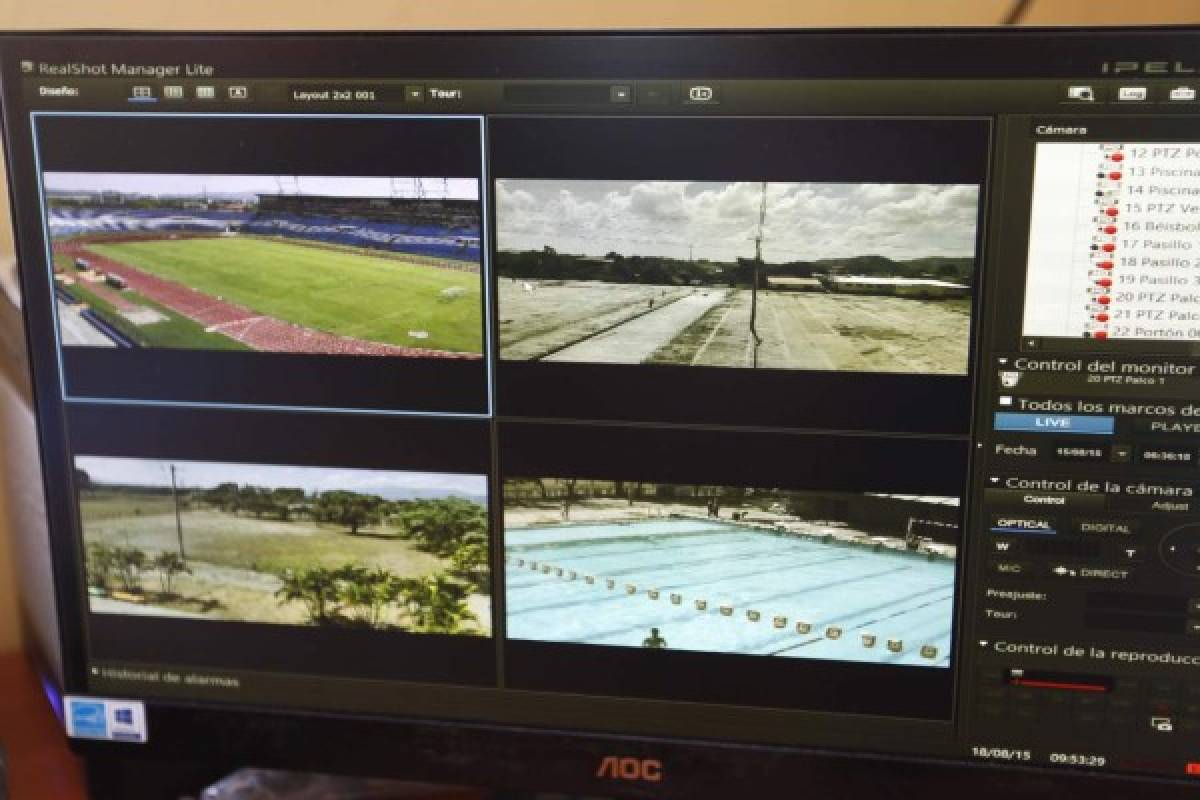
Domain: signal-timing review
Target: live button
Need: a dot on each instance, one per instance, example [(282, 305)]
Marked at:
[(1054, 423)]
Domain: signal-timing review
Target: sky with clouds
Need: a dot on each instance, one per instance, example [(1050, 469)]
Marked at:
[(247, 186), (718, 220), (207, 474)]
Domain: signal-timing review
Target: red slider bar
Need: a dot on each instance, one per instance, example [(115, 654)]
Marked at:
[(1066, 681)]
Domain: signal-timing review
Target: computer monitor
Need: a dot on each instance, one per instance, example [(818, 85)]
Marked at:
[(631, 404)]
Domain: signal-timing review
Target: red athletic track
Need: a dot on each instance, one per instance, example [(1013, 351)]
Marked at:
[(240, 323)]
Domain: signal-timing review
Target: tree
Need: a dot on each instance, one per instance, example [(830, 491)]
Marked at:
[(316, 588), (522, 489), (282, 500), (436, 603), (350, 509), (471, 562), (129, 563), (440, 526), (169, 565), (101, 565), (733, 495), (366, 593), (224, 496), (82, 479), (255, 500)]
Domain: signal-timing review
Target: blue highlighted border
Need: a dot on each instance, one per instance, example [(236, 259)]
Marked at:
[(485, 267)]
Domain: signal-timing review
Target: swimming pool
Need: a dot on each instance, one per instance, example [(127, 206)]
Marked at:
[(716, 586)]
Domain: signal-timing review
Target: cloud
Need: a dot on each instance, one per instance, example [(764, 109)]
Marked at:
[(719, 221)]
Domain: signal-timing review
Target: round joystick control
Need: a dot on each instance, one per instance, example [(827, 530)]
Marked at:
[(1180, 550)]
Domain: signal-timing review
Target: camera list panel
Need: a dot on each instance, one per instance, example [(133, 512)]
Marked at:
[(1114, 245)]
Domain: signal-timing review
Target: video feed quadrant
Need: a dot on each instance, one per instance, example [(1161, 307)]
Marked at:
[(666, 272), (838, 576), (286, 545), (781, 260), (655, 560), (268, 265), (252, 540)]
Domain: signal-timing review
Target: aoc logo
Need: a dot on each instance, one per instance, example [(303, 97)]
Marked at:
[(1147, 68), (628, 768)]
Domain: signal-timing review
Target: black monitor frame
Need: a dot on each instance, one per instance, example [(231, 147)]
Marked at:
[(570, 753)]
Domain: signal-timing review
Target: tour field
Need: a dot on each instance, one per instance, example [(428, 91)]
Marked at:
[(270, 294), (602, 322)]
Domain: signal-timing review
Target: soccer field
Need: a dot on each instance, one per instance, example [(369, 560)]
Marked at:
[(356, 295)]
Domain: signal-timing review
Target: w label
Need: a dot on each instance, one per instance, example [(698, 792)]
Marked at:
[(628, 768)]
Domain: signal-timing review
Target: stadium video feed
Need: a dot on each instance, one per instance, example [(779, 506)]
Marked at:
[(830, 575), (381, 266), (869, 277), (373, 550), (306, 261)]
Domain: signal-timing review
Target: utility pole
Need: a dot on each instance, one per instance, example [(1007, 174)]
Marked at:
[(758, 260), (178, 519)]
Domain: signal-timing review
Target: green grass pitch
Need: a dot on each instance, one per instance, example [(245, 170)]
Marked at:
[(378, 299)]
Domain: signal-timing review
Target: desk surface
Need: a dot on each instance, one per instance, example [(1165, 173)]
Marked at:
[(40, 764)]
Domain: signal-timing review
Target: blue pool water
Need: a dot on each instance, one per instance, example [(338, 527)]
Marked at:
[(899, 596)]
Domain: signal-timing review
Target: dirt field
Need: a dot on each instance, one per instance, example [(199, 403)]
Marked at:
[(615, 323), (235, 558), (540, 318), (817, 330)]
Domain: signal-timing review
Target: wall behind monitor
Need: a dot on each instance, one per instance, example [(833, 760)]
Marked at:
[(16, 491), (515, 14)]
